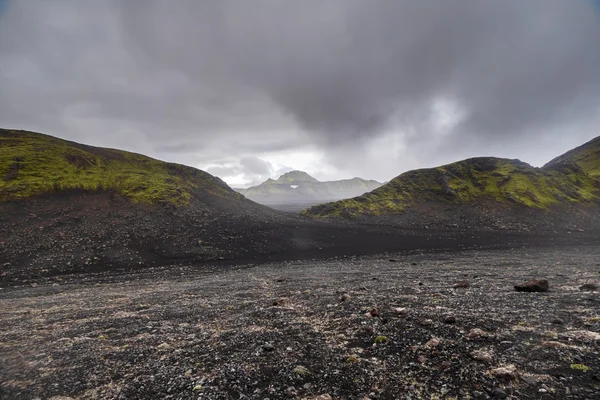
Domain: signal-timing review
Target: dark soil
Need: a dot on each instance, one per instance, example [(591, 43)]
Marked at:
[(75, 232), (300, 329)]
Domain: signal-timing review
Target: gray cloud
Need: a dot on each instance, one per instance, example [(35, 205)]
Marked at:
[(202, 82)]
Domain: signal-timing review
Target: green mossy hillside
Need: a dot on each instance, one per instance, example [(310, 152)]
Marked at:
[(33, 164), (497, 181), (587, 157)]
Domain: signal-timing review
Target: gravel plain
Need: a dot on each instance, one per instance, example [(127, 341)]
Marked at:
[(441, 325)]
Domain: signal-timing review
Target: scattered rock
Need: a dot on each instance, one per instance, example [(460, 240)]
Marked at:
[(536, 285), (589, 287), (392, 260), (450, 319), (554, 345), (499, 393), (376, 312), (164, 346), (279, 302), (268, 347), (584, 336), (319, 397), (461, 285), (432, 343), (477, 333), (345, 297), (426, 322), (558, 321), (481, 355), (506, 372), (400, 310), (301, 370)]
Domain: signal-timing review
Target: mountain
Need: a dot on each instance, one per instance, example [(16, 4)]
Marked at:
[(69, 207), (300, 187), (483, 192), (587, 157)]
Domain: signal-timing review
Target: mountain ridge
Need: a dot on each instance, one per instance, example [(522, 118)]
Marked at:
[(300, 187)]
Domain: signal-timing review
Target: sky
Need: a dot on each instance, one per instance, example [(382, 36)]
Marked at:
[(248, 90)]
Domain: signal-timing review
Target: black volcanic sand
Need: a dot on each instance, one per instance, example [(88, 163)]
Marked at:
[(298, 330)]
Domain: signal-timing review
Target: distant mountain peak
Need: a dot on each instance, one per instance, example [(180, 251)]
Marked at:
[(294, 177)]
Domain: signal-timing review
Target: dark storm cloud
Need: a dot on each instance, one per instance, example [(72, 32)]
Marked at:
[(240, 78)]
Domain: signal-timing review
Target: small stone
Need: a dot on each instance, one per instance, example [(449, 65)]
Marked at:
[(584, 336), (461, 285), (542, 390), (536, 285), (476, 333), (400, 310), (164, 346), (554, 345), (319, 397), (345, 297), (301, 370), (498, 393), (376, 312), (426, 322), (589, 287), (279, 302), (268, 347), (433, 343), (558, 321), (481, 355), (450, 319), (506, 372), (392, 260)]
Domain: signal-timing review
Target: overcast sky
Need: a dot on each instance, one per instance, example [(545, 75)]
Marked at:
[(247, 90)]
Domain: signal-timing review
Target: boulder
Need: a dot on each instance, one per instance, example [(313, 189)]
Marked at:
[(536, 285)]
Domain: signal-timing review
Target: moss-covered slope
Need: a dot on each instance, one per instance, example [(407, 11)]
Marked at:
[(586, 156), (33, 164), (495, 181)]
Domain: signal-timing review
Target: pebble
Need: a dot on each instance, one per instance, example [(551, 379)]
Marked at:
[(476, 333), (536, 285), (450, 319), (481, 355), (400, 310), (268, 347), (508, 372), (426, 322)]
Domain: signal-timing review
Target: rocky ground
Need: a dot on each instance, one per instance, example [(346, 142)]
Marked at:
[(419, 325)]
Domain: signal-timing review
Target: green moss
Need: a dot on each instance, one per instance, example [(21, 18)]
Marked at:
[(352, 359), (381, 339), (580, 367), (586, 157), (33, 164), (502, 181)]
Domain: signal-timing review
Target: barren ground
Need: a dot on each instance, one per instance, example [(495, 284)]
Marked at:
[(299, 330)]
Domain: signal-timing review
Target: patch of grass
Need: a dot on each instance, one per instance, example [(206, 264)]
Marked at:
[(32, 164), (381, 339), (580, 367)]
